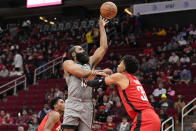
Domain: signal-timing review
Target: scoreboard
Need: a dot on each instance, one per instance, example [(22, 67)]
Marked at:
[(39, 3)]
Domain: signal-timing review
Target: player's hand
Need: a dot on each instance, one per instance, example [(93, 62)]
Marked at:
[(103, 21), (102, 74), (108, 71)]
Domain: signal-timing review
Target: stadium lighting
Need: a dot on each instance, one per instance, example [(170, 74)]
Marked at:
[(51, 22), (41, 18), (127, 10), (46, 21)]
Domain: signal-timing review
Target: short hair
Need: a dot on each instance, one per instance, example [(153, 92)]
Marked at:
[(71, 50), (131, 64), (53, 102)]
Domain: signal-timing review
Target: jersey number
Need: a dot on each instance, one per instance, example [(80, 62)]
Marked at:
[(141, 90)]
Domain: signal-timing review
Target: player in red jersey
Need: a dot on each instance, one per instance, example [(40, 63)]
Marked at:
[(51, 121), (132, 94)]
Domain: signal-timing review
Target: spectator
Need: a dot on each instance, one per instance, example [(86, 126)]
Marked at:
[(185, 59), (20, 128), (163, 115), (144, 64), (49, 95), (193, 128), (182, 41), (23, 119), (162, 32), (96, 126), (148, 51), (175, 78), (101, 114), (173, 58), (109, 126), (18, 61), (193, 32), (178, 105), (114, 66), (153, 101), (58, 93), (14, 72), (110, 89), (123, 126), (34, 125), (4, 99), (2, 115), (171, 92), (7, 120), (100, 96), (153, 61), (188, 50), (193, 59), (165, 103), (114, 97), (185, 76), (4, 72), (92, 51), (131, 40), (118, 111), (108, 109), (43, 112), (159, 91), (172, 45), (149, 69), (105, 100)]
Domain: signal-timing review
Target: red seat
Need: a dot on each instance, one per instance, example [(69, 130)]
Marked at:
[(171, 112), (3, 128)]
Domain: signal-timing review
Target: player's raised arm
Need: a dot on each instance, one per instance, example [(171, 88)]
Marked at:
[(100, 52), (53, 118)]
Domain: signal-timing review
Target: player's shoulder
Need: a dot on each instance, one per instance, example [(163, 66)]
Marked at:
[(117, 76), (68, 63), (54, 115)]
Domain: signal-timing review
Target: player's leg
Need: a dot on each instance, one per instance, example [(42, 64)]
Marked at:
[(137, 122), (83, 127), (147, 120), (70, 121)]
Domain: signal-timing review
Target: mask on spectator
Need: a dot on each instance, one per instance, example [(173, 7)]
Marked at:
[(83, 58)]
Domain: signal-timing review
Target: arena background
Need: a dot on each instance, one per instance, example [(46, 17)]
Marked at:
[(42, 36)]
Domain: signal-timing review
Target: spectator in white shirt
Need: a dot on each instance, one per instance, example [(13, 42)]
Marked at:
[(159, 91), (184, 59), (173, 58), (193, 32), (123, 126), (18, 61), (58, 93), (4, 72)]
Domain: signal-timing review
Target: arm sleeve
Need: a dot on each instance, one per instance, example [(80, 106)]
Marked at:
[(96, 83)]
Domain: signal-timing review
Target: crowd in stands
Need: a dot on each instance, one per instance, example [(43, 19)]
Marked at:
[(161, 67)]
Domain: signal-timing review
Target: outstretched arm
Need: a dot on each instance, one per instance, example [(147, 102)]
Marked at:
[(100, 52), (112, 79)]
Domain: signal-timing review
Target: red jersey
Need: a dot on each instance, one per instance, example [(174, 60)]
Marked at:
[(56, 127), (134, 97)]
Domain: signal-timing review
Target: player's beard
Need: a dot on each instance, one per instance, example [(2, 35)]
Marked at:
[(82, 58)]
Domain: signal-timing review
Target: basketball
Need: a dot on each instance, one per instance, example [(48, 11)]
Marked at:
[(108, 10)]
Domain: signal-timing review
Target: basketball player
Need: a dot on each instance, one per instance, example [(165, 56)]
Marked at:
[(78, 112), (132, 94), (51, 121)]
